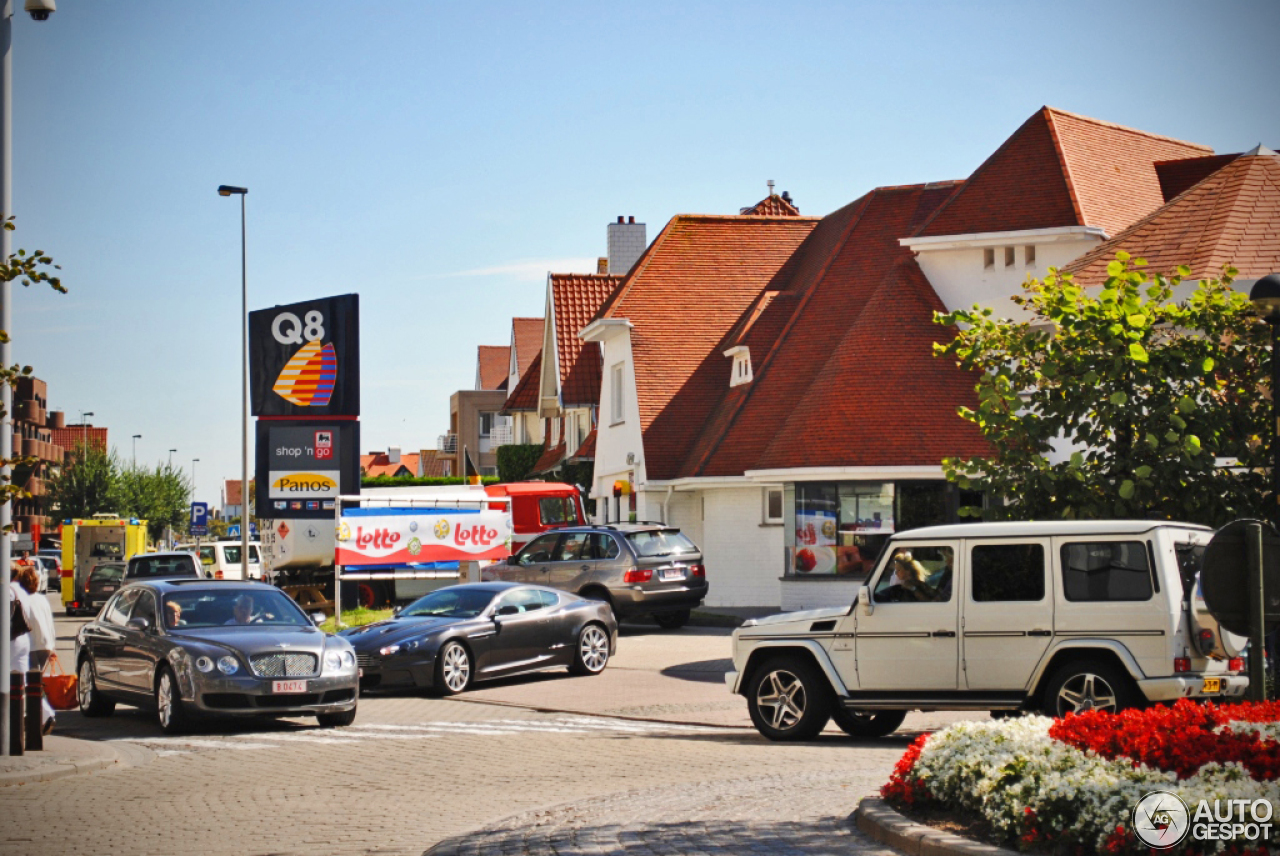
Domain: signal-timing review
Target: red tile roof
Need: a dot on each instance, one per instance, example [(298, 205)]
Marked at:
[(575, 300), (1060, 169), (688, 290), (525, 395), (492, 362), (1231, 217), (774, 205), (74, 436), (551, 458), (846, 380), (1179, 176), (526, 338), (378, 464), (431, 464), (587, 450)]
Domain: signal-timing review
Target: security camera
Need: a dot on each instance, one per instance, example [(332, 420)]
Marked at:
[(41, 9)]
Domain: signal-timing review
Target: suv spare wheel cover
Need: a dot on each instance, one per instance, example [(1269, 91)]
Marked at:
[(1225, 576)]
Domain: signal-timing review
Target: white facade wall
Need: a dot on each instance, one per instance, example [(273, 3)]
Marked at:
[(743, 556), (616, 439), (956, 267)]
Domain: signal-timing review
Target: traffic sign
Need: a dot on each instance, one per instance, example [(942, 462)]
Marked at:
[(199, 518), (233, 531)]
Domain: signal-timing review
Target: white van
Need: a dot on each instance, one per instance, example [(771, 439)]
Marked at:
[(222, 559)]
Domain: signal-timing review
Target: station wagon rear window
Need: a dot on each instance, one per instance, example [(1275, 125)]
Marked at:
[(1106, 571), (662, 542)]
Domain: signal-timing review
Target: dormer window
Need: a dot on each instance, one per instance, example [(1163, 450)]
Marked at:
[(741, 371)]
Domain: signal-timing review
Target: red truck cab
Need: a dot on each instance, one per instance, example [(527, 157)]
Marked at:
[(539, 506)]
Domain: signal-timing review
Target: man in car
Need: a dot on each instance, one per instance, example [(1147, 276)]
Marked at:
[(242, 611)]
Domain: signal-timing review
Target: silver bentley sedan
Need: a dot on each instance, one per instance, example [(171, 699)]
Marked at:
[(189, 647)]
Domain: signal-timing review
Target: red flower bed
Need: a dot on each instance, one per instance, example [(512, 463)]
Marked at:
[(1180, 739), (903, 788)]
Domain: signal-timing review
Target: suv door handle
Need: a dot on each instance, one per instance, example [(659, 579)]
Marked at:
[(586, 567), (944, 633), (1039, 632)]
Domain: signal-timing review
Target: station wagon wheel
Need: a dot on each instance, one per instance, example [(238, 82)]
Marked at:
[(789, 699), (592, 653), (453, 669), (1082, 686), (170, 710), (92, 702), (867, 723)]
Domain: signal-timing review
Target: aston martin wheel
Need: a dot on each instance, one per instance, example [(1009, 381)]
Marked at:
[(592, 652), (867, 723), (789, 699), (92, 702), (170, 710), (453, 669)]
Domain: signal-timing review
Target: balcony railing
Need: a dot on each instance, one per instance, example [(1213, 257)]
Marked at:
[(447, 443)]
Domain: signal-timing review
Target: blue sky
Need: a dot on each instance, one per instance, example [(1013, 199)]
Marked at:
[(440, 158)]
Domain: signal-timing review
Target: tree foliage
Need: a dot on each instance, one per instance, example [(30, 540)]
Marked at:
[(1141, 395), (84, 485), (516, 460), (161, 496)]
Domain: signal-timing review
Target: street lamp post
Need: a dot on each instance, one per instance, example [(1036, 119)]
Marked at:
[(230, 190), (136, 438), (84, 425), (1265, 295), (171, 451)]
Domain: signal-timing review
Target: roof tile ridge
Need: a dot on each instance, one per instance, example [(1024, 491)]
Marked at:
[(732, 418), (1233, 187), (623, 288), (1065, 166), (1138, 131)]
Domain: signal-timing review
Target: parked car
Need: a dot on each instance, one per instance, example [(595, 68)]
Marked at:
[(104, 581), (455, 636), (50, 572), (188, 647), (168, 564), (221, 559), (637, 568), (1058, 617)]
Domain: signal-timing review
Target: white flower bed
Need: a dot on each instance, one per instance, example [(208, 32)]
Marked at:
[(1000, 769)]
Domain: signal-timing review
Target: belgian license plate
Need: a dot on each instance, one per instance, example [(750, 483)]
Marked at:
[(671, 574), (288, 686), (1212, 685)]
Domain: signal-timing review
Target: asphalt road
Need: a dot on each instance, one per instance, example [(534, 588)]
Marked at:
[(652, 753)]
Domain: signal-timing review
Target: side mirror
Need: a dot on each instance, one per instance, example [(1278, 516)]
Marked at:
[(513, 560), (397, 610), (138, 624), (508, 610), (317, 618), (864, 600)]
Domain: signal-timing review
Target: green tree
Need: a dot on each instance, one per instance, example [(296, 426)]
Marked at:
[(85, 485), (29, 268), (1145, 392), (161, 496)]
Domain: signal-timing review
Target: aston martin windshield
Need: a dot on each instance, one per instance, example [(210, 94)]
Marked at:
[(451, 603)]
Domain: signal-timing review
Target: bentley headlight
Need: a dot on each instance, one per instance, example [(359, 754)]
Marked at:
[(228, 665), (204, 664), (339, 660)]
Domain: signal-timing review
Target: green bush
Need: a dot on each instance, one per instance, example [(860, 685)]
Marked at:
[(413, 481), (515, 461)]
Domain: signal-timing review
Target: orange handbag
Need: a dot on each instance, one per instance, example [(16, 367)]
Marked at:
[(59, 688)]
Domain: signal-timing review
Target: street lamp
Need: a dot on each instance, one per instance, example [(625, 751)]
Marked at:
[(84, 414), (1265, 295), (136, 438), (229, 190), (171, 451), (194, 461)]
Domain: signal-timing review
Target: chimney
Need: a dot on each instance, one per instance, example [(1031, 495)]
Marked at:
[(602, 265), (393, 454), (626, 244)]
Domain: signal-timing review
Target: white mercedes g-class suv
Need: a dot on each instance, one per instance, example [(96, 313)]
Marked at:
[(1051, 616)]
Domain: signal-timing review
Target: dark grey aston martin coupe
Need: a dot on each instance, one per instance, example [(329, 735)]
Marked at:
[(480, 631), (191, 646)]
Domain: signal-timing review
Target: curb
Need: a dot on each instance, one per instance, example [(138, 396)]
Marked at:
[(876, 819), (101, 757)]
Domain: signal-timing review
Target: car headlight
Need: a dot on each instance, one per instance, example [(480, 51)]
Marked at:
[(337, 661), (388, 650), (228, 665), (204, 664)]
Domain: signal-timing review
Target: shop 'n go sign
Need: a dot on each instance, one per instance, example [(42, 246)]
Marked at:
[(409, 536)]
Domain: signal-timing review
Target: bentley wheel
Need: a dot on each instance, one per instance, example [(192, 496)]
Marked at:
[(337, 720), (453, 669), (92, 702), (789, 699), (592, 653), (169, 707), (1083, 686), (867, 723)]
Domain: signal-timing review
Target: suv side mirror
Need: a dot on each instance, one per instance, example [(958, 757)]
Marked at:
[(317, 618), (864, 600), (138, 624)]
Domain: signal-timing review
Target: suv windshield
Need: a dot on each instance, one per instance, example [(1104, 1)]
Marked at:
[(660, 542), (450, 603), (232, 554), (162, 566)]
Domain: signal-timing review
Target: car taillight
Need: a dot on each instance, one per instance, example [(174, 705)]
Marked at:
[(1205, 640), (217, 575), (697, 571), (1181, 664), (637, 576), (1235, 664)]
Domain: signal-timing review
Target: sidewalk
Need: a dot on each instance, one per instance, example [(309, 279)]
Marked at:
[(66, 756)]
